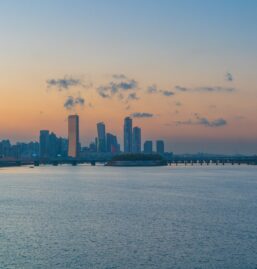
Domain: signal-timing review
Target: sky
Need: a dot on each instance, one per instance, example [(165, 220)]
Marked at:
[(185, 70)]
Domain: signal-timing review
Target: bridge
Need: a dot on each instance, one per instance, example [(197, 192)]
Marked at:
[(175, 160), (207, 160)]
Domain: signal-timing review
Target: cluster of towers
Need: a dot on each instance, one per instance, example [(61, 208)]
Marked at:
[(132, 140), (107, 142), (132, 137)]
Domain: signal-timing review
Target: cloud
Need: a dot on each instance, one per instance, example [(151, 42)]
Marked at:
[(119, 85), (104, 92), (119, 76), (205, 89), (204, 122), (132, 96), (215, 123), (215, 89), (71, 102), (65, 83), (152, 89), (181, 89), (167, 93), (142, 115), (229, 77)]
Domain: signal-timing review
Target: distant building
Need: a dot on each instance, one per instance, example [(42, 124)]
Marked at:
[(148, 147), (92, 147), (101, 140), (62, 147), (127, 135), (73, 136), (53, 145), (5, 148), (25, 150), (112, 143), (44, 144), (20, 150), (136, 140), (160, 146)]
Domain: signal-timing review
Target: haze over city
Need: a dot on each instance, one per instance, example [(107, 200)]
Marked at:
[(184, 71)]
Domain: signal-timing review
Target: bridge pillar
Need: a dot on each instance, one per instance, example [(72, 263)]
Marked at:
[(55, 163), (74, 163)]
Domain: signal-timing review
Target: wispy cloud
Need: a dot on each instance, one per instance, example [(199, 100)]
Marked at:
[(120, 84), (203, 121), (153, 89), (181, 89), (142, 115), (132, 96), (65, 83), (71, 102), (167, 93), (214, 123), (217, 89), (119, 76), (229, 77)]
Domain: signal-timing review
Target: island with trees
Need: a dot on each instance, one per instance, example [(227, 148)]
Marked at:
[(137, 159)]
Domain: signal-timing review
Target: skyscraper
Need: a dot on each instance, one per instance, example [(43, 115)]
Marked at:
[(111, 143), (101, 146), (73, 136), (148, 147), (127, 134), (160, 146), (53, 145), (136, 141), (44, 143)]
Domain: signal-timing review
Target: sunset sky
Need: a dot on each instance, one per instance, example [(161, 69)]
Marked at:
[(185, 70)]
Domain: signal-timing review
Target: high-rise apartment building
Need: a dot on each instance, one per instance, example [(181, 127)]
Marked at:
[(136, 140), (160, 146), (112, 143), (73, 136), (127, 135), (148, 147), (44, 143), (101, 139)]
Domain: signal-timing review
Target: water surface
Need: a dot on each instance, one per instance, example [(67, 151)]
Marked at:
[(108, 217)]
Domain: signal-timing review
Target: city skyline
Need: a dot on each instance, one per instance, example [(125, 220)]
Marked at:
[(184, 72), (51, 146)]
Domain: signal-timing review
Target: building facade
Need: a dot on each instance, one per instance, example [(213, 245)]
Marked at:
[(148, 147), (136, 140), (101, 139), (127, 135), (44, 144), (160, 146), (73, 136), (112, 143)]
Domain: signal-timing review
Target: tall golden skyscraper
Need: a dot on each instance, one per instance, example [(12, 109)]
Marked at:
[(73, 135)]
